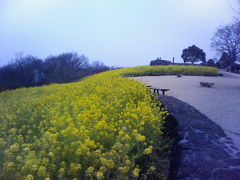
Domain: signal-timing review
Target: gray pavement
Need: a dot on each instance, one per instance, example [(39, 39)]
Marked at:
[(221, 103)]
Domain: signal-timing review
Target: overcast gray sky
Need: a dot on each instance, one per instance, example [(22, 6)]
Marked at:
[(116, 32)]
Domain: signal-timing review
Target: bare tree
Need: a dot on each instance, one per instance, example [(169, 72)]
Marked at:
[(27, 71), (65, 67), (24, 71), (97, 67), (227, 39)]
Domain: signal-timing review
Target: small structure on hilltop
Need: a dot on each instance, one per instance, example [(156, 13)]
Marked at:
[(159, 61)]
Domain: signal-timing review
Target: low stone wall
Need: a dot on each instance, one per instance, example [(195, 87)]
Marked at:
[(201, 151)]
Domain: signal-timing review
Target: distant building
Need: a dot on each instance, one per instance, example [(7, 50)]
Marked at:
[(159, 61)]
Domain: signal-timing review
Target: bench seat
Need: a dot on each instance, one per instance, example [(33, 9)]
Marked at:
[(157, 90)]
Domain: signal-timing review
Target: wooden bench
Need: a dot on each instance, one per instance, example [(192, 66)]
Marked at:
[(156, 90), (206, 84)]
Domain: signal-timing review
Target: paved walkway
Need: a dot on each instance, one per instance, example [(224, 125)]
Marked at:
[(221, 103), (201, 150)]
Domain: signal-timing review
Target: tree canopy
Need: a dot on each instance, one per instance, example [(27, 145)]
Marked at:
[(210, 62), (193, 54), (65, 67), (225, 60), (227, 40), (27, 71)]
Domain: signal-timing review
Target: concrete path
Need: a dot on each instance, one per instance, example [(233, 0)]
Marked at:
[(201, 149), (221, 103)]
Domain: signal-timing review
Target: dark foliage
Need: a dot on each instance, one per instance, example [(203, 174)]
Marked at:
[(225, 60), (65, 67), (97, 67), (23, 72), (28, 71), (193, 54), (211, 62)]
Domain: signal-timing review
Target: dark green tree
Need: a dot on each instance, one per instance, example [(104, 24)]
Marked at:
[(193, 54), (210, 62)]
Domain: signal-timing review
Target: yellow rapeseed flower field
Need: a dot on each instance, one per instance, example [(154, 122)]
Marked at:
[(101, 127), (170, 70)]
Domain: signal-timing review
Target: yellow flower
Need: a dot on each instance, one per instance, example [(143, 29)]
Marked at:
[(19, 158), (152, 169), (9, 166), (61, 171), (42, 171), (123, 169), (140, 137), (128, 162), (34, 167), (14, 147), (51, 154), (99, 175), (148, 150), (90, 171), (29, 177), (135, 172)]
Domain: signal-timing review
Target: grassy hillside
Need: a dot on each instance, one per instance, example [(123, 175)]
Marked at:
[(104, 126)]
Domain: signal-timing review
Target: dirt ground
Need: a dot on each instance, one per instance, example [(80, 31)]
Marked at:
[(221, 103)]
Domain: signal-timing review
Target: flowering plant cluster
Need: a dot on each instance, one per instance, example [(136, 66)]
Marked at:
[(171, 70), (102, 127)]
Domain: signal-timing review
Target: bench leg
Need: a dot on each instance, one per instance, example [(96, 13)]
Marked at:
[(156, 91), (163, 92)]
